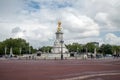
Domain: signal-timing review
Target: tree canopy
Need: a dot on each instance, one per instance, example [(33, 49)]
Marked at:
[(16, 45), (21, 44)]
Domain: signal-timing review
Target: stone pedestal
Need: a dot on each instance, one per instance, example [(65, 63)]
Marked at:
[(54, 56)]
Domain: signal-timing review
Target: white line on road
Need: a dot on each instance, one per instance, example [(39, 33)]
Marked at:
[(89, 76)]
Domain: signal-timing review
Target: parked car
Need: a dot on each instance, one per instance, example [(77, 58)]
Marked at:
[(99, 55), (108, 55)]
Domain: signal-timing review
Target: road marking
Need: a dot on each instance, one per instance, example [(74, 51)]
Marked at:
[(89, 76)]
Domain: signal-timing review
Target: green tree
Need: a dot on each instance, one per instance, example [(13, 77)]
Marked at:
[(115, 48), (106, 49), (91, 46), (1, 48), (74, 47), (45, 49), (16, 44)]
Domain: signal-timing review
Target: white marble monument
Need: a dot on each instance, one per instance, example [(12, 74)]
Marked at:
[(58, 51), (59, 46)]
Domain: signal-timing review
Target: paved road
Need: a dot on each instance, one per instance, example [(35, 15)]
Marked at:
[(60, 69)]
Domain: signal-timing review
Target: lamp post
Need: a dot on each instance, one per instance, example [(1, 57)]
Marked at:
[(20, 51), (77, 49), (29, 50), (86, 50), (48, 50), (61, 49), (76, 52), (5, 50)]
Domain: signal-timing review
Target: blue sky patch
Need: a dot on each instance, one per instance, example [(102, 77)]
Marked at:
[(63, 5), (57, 4), (117, 33), (32, 6)]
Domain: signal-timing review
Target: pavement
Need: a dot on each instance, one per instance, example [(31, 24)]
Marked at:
[(91, 69)]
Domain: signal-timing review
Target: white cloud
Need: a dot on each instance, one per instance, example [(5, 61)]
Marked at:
[(102, 18), (9, 9), (16, 30), (81, 19), (112, 39), (80, 26)]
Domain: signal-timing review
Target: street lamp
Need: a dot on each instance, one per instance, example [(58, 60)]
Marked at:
[(5, 50), (77, 49), (29, 50), (61, 49), (20, 51), (76, 52), (86, 50), (48, 50)]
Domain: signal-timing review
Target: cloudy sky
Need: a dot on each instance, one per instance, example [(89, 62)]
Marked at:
[(82, 20)]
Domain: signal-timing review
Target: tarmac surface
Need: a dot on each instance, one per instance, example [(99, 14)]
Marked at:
[(95, 69)]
